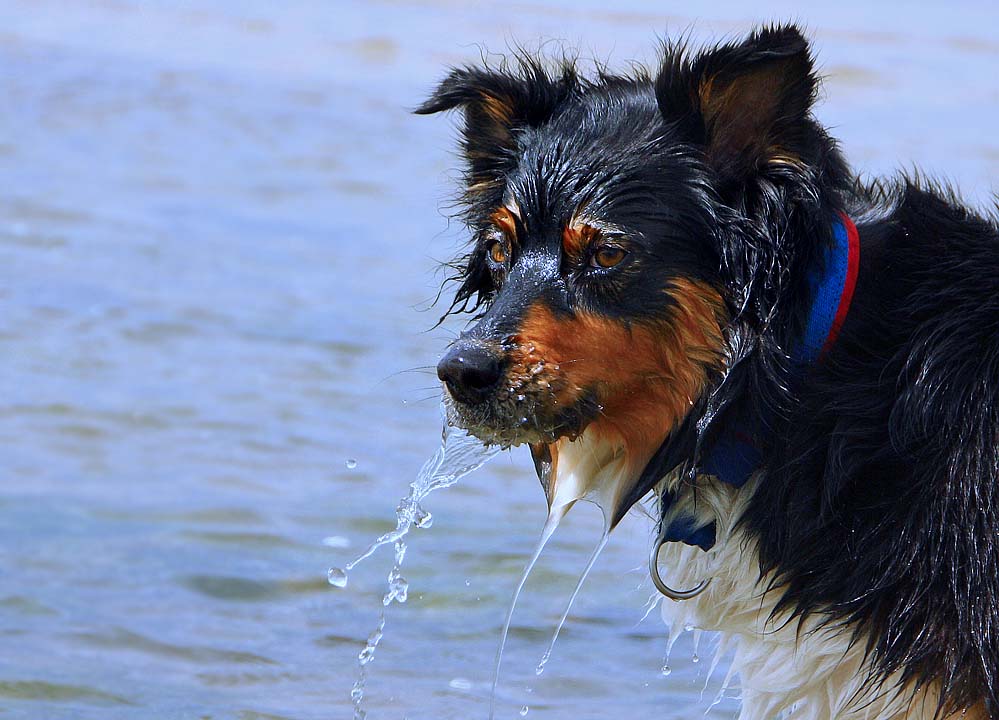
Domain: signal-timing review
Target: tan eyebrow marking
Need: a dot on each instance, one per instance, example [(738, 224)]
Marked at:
[(506, 221), (576, 238)]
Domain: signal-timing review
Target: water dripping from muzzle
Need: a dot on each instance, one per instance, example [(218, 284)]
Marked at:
[(563, 497), (551, 524), (601, 544)]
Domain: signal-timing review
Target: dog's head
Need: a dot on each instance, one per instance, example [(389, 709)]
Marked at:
[(602, 211)]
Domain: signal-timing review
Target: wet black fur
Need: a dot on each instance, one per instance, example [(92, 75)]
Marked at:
[(879, 503)]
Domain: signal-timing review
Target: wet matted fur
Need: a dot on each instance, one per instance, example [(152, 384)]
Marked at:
[(641, 252)]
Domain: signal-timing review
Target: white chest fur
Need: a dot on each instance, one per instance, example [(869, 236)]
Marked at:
[(783, 669)]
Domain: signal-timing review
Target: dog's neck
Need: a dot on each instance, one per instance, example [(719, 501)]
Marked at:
[(734, 453)]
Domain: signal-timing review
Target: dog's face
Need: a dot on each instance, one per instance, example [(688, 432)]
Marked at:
[(599, 306), (596, 208)]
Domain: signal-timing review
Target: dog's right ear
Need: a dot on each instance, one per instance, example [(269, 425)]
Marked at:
[(497, 105), (747, 103)]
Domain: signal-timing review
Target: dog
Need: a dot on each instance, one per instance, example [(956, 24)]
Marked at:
[(680, 289)]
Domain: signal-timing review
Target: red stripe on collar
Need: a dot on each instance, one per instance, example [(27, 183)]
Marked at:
[(849, 284)]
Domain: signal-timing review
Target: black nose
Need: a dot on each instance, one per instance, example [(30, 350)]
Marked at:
[(470, 370)]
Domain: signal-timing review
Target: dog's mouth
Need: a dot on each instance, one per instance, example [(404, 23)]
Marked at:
[(581, 447), (529, 406)]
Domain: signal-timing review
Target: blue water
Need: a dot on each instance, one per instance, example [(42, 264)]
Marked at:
[(219, 234)]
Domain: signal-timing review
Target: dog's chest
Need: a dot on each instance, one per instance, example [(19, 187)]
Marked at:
[(783, 669)]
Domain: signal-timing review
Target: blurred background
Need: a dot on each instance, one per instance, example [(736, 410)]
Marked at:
[(220, 230)]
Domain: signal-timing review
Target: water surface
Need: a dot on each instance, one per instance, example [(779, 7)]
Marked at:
[(219, 227)]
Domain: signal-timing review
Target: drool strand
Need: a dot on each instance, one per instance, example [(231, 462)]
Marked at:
[(572, 599), (554, 517)]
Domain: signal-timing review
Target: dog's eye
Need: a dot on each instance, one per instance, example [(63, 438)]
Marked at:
[(607, 256), (497, 252)]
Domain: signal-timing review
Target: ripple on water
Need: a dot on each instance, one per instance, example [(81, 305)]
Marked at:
[(207, 516), (122, 639), (243, 539), (239, 589), (57, 692), (254, 715), (25, 605), (334, 640), (243, 679)]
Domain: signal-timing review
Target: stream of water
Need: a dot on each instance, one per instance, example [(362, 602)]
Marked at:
[(458, 455), (601, 544)]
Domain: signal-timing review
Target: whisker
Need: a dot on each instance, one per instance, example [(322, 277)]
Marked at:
[(427, 388), (425, 369)]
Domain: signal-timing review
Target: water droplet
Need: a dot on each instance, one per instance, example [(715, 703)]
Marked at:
[(524, 710), (460, 683), (665, 670), (373, 639), (351, 463), (468, 583), (398, 588), (520, 398), (422, 518), (366, 656), (337, 577), (696, 658), (540, 668), (688, 628)]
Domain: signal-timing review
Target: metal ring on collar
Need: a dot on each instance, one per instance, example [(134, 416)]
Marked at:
[(658, 581)]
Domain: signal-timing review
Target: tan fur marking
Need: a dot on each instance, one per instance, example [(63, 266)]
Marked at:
[(505, 220), (576, 238), (778, 156), (736, 131), (646, 377), (974, 713), (498, 109), (482, 186)]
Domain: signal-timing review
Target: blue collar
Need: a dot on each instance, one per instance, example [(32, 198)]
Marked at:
[(734, 456)]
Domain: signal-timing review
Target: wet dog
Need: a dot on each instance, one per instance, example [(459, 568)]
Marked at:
[(681, 290)]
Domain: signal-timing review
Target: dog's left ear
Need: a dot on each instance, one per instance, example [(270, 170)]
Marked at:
[(747, 102), (498, 105)]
